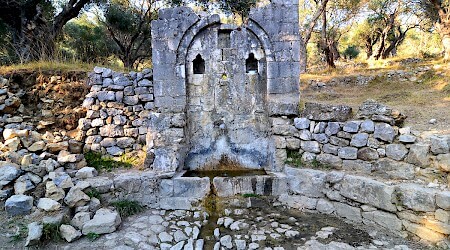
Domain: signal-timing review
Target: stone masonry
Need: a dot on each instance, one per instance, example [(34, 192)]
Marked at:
[(224, 83)]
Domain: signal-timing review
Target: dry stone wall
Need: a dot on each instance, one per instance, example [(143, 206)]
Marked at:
[(371, 144), (118, 111)]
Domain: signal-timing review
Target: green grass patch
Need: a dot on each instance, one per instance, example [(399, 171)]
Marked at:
[(51, 233), (101, 162), (92, 236), (294, 158), (20, 234), (93, 193), (127, 208), (251, 195)]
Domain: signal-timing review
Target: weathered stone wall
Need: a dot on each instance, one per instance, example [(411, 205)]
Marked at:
[(371, 144), (179, 38), (118, 111), (404, 209)]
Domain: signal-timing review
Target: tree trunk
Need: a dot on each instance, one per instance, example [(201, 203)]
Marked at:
[(443, 29), (325, 44)]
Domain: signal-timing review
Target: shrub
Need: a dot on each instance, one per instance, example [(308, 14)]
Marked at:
[(127, 208)]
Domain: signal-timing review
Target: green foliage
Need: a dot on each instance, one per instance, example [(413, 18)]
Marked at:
[(294, 158), (351, 52), (85, 40), (20, 234), (100, 162), (127, 208), (51, 233), (251, 195), (93, 193), (92, 236)]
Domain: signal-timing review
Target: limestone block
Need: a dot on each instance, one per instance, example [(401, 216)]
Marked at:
[(393, 169), (306, 182), (359, 140), (332, 128), (368, 191), (348, 212), (329, 160), (418, 154), (19, 205), (348, 153), (367, 126), (386, 220), (302, 123), (439, 145), (310, 146), (367, 154), (384, 132), (351, 126), (396, 151), (443, 162), (104, 221), (416, 197)]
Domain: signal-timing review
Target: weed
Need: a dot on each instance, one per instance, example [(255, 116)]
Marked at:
[(20, 234), (294, 158), (92, 236), (51, 233), (100, 162), (249, 195), (94, 193), (127, 208)]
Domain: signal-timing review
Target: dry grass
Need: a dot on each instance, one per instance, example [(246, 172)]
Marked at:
[(54, 66), (421, 100)]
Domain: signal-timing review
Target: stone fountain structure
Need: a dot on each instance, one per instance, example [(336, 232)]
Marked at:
[(218, 87)]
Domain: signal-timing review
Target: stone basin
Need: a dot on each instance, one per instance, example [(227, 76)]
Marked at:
[(236, 183)]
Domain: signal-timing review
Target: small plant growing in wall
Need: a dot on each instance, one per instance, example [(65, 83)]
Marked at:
[(101, 162), (93, 193), (51, 233), (92, 236), (127, 208), (294, 158)]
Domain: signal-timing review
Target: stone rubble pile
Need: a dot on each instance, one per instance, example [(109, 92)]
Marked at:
[(118, 110), (9, 102), (371, 145), (362, 80)]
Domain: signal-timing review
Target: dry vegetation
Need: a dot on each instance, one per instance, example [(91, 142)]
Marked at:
[(422, 96)]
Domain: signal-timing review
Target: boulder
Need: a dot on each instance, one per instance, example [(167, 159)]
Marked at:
[(310, 146), (35, 231), (86, 172), (80, 219), (418, 155), (439, 145), (19, 205), (396, 151), (53, 192), (104, 221), (9, 172), (69, 233), (443, 162), (384, 132), (48, 205), (76, 198)]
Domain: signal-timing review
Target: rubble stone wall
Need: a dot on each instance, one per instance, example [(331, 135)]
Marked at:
[(118, 111), (371, 143)]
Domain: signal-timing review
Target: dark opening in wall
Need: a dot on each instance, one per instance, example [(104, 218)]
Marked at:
[(224, 39), (199, 65), (251, 64)]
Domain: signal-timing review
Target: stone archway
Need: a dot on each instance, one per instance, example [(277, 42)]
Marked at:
[(226, 104)]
